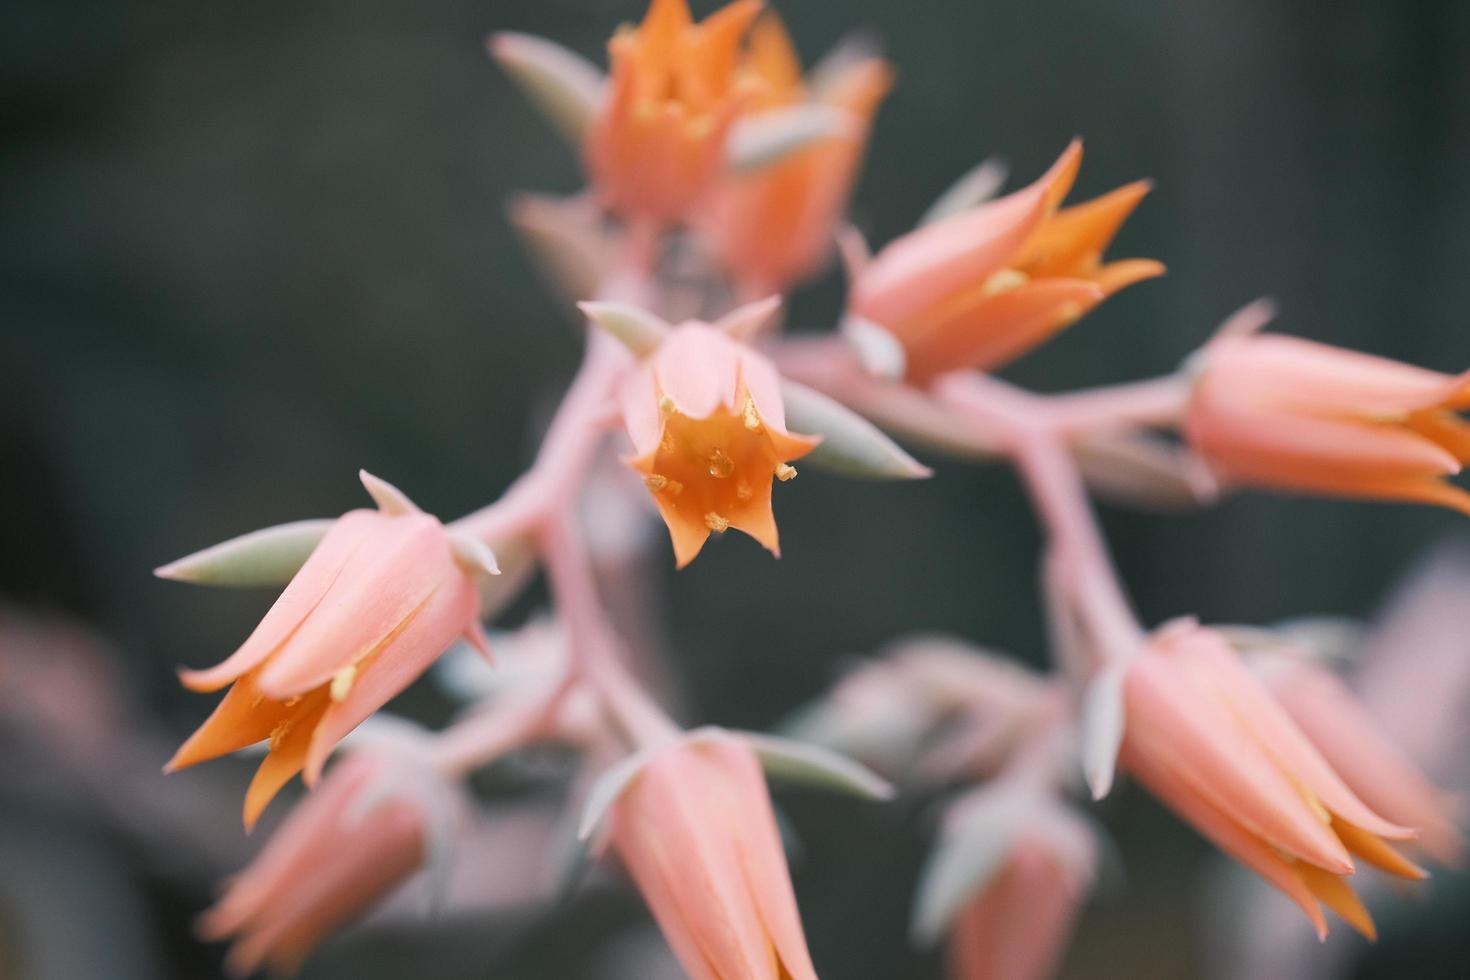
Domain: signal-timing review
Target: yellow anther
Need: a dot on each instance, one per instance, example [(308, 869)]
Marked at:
[(720, 465), (785, 471), (667, 406), (278, 734), (655, 481), (716, 523), (673, 488), (751, 416), (743, 491), (342, 682), (1004, 281)]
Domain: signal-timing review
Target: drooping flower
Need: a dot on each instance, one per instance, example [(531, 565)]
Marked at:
[(1006, 879), (1290, 414), (365, 831), (696, 831), (381, 597), (1205, 737), (1018, 926), (659, 139), (708, 426), (984, 286), (774, 227), (1355, 744)]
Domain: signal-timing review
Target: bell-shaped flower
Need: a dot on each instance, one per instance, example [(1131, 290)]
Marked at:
[(696, 831), (658, 140), (1006, 880), (1018, 926), (1356, 745), (981, 287), (373, 823), (708, 425), (1208, 739), (774, 227), (1291, 414), (383, 594)]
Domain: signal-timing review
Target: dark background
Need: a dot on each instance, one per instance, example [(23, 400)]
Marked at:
[(246, 248)]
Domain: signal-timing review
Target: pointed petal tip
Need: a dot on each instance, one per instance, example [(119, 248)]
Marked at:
[(390, 499)]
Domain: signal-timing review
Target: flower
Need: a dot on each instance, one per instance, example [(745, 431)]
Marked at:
[(774, 227), (1204, 736), (659, 139), (345, 847), (1356, 745), (1296, 415), (1006, 878), (1018, 926), (986, 285), (696, 831), (381, 597), (709, 431)]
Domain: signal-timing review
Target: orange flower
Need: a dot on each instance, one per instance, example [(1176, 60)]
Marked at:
[(988, 284), (696, 831), (1296, 415), (708, 424), (1207, 738), (381, 597), (342, 850), (774, 227), (659, 139)]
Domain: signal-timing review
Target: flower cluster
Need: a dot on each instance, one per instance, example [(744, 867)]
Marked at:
[(706, 143)]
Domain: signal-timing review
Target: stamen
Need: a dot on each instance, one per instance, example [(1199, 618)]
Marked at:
[(1004, 281), (743, 491), (751, 416), (720, 465), (667, 406), (342, 682), (785, 471), (655, 481), (278, 734), (716, 523)]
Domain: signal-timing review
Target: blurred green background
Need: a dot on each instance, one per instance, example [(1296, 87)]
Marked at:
[(246, 249)]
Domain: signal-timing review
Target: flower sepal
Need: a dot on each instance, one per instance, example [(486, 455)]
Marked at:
[(269, 556)]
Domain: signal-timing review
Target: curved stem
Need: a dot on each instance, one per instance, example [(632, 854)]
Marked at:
[(1027, 430), (593, 641)]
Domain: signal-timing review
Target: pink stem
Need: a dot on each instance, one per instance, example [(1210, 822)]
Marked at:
[(1152, 403), (594, 643), (499, 730), (1025, 429), (543, 503)]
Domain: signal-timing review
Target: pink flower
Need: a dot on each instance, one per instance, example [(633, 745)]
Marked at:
[(1354, 743), (345, 847), (1019, 926), (1007, 880), (1295, 415), (697, 833), (708, 426), (381, 597), (1203, 735), (983, 287)]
